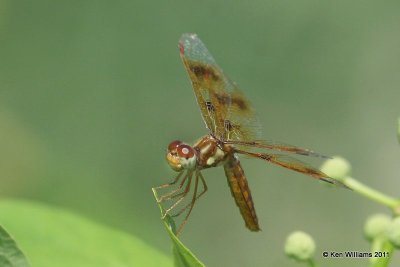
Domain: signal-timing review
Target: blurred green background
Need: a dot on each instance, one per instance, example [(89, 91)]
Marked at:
[(92, 92)]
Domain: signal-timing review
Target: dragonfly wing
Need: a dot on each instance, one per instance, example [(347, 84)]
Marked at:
[(292, 164), (225, 110), (272, 145)]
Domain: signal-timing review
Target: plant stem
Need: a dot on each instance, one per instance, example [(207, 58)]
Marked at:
[(383, 246), (356, 186), (311, 263), (398, 129)]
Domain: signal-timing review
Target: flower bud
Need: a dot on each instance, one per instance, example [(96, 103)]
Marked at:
[(338, 168), (393, 232), (300, 246), (376, 226)]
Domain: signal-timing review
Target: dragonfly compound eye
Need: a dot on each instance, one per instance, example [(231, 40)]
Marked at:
[(174, 145), (185, 151)]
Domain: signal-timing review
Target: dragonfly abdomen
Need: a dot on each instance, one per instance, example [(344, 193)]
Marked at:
[(241, 192)]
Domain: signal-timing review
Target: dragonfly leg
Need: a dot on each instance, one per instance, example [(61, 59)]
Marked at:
[(191, 204), (171, 183), (183, 195), (168, 195), (205, 188)]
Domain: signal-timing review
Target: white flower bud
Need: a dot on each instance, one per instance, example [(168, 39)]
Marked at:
[(376, 226), (393, 232), (338, 168), (300, 246)]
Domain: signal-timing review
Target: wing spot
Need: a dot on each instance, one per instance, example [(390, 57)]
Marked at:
[(223, 99), (227, 100), (203, 72), (240, 103)]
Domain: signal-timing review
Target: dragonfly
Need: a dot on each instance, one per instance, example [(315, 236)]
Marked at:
[(233, 130)]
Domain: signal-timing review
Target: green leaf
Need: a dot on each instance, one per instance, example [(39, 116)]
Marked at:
[(183, 257), (53, 237), (10, 254)]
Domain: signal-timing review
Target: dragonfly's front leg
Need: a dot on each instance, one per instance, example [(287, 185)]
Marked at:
[(165, 197), (205, 188), (183, 194)]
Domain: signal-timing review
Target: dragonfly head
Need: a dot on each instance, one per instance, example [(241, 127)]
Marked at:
[(181, 156)]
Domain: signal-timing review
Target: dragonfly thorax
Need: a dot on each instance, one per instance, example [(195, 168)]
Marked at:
[(181, 156), (211, 152)]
